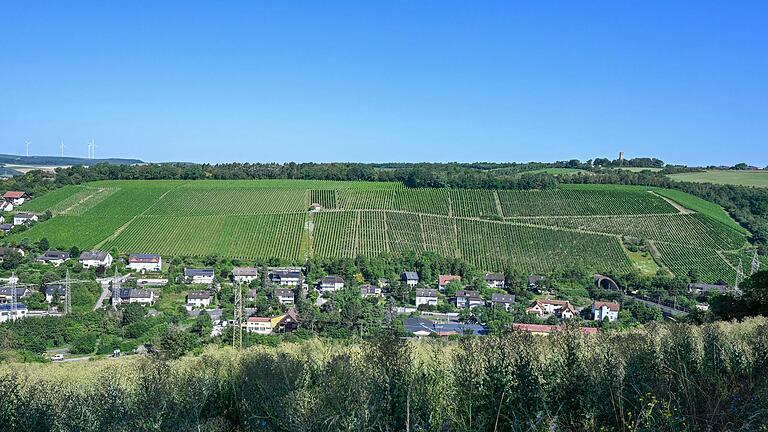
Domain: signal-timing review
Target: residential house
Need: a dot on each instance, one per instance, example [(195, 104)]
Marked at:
[(503, 300), (52, 291), (141, 296), (15, 197), (559, 308), (198, 299), (95, 259), (283, 295), (537, 282), (494, 280), (5, 206), (145, 262), (5, 251), (7, 295), (702, 288), (198, 276), (22, 218), (252, 294), (54, 257), (410, 278), (12, 312), (426, 297), (542, 329), (468, 299), (286, 322), (444, 280), (331, 284), (602, 310), (370, 291), (6, 228), (245, 274), (258, 325), (286, 276)]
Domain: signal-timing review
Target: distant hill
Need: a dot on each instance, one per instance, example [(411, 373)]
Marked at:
[(58, 160)]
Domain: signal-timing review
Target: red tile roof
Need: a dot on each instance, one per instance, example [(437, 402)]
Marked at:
[(13, 194), (610, 305), (445, 279)]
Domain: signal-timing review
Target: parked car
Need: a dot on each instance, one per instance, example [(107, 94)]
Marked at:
[(57, 357)]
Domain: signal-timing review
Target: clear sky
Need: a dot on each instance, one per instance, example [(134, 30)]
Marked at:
[(387, 81)]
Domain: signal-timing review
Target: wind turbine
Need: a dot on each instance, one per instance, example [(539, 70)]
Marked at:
[(26, 142), (62, 148)]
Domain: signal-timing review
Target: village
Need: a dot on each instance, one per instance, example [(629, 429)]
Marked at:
[(442, 305)]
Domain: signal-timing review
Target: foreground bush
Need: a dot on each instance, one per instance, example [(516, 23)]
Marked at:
[(662, 378)]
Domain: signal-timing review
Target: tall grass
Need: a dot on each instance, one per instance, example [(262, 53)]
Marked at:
[(661, 378)]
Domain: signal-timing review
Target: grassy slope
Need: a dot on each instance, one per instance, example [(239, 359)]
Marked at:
[(743, 178), (702, 206)]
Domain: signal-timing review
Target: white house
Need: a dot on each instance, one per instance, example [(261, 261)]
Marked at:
[(141, 296), (426, 297), (468, 299), (245, 274), (410, 278), (331, 284), (198, 299), (12, 312), (54, 257), (503, 300), (22, 218), (494, 280), (602, 310), (559, 308), (145, 262), (198, 276), (15, 197), (258, 325), (95, 259), (286, 276), (7, 295), (5, 206), (53, 290), (284, 296)]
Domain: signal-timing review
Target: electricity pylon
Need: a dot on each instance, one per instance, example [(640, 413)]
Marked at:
[(755, 264), (237, 322)]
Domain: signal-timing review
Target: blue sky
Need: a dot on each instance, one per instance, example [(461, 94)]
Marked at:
[(387, 81)]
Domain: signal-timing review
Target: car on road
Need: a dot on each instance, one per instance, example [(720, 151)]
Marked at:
[(57, 357)]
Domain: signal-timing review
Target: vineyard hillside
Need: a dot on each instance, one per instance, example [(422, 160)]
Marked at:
[(585, 226)]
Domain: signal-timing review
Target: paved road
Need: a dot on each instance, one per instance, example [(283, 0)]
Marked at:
[(666, 310), (105, 293)]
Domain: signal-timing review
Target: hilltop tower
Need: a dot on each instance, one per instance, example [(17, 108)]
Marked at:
[(621, 158)]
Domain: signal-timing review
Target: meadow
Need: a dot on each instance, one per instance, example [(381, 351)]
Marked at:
[(671, 377), (734, 177), (529, 230)]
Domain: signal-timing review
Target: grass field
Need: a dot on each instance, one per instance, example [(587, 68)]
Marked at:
[(743, 178), (533, 231)]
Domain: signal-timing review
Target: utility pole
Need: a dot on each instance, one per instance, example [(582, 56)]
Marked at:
[(237, 322)]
